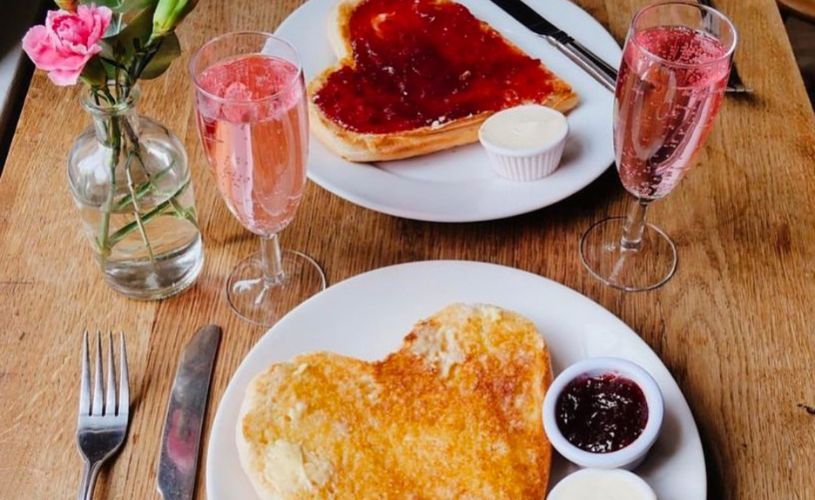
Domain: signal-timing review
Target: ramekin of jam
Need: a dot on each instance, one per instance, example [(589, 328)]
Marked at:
[(603, 413)]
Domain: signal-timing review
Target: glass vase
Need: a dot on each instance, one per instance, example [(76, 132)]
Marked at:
[(130, 180)]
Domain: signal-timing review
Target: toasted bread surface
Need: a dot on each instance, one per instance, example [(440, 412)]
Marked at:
[(454, 413), (356, 145)]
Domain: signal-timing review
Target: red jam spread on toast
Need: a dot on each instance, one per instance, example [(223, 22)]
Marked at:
[(601, 414), (420, 63)]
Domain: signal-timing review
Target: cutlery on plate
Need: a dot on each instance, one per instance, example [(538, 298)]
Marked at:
[(580, 55), (734, 83), (103, 414), (180, 441)]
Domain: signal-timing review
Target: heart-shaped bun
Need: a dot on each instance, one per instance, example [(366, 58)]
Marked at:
[(454, 413), (418, 76)]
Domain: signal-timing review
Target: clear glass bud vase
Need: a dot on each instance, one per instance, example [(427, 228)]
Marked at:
[(130, 179)]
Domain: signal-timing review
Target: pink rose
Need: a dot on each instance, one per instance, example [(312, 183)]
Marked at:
[(67, 41)]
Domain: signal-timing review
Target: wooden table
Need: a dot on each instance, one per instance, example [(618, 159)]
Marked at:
[(735, 326), (804, 9)]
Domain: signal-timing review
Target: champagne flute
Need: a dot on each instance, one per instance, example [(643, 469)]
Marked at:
[(250, 102), (670, 86)]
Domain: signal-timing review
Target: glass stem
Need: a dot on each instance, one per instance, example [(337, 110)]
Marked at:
[(271, 260), (634, 225)]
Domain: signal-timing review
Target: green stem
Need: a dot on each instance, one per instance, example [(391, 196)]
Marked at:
[(136, 209), (118, 83), (142, 58), (188, 214), (120, 135), (134, 139), (111, 100), (115, 64), (152, 214), (143, 190), (131, 135), (180, 211), (103, 242), (132, 226), (114, 141)]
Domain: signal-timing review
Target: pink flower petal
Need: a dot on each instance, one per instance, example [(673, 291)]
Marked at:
[(67, 41), (72, 30), (64, 78), (97, 20), (40, 49)]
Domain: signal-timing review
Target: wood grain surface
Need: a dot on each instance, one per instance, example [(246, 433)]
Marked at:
[(802, 8), (735, 326)]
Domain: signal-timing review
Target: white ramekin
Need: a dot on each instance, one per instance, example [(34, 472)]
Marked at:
[(603, 478), (628, 457), (527, 164)]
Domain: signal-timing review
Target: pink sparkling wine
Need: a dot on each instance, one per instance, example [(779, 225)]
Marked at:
[(665, 105), (254, 128)]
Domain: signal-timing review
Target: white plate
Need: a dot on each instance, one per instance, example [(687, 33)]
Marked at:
[(368, 315), (459, 185)]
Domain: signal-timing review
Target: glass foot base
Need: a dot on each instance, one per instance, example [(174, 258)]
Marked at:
[(263, 302), (633, 270)]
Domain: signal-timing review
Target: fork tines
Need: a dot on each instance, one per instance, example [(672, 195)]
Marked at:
[(102, 424), (103, 400)]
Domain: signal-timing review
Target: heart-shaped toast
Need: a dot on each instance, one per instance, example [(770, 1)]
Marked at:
[(454, 413), (417, 76)]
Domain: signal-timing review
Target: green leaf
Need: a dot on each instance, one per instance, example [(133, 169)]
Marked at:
[(117, 24), (120, 6), (131, 38), (169, 49), (111, 4), (124, 12), (139, 4), (94, 73)]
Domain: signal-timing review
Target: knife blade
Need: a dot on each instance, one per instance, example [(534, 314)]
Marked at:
[(180, 441), (580, 55)]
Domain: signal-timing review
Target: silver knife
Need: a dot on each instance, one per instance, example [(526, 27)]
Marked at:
[(580, 55), (178, 461)]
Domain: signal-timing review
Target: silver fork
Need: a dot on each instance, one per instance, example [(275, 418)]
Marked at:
[(102, 425)]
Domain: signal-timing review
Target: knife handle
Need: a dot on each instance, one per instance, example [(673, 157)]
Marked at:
[(586, 59)]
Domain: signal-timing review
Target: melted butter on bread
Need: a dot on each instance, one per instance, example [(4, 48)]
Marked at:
[(439, 348), (296, 411), (346, 428), (284, 467)]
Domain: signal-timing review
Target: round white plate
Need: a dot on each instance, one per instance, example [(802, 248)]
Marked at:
[(368, 315), (459, 185)]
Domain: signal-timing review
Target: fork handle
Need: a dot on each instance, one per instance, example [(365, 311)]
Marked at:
[(89, 473)]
